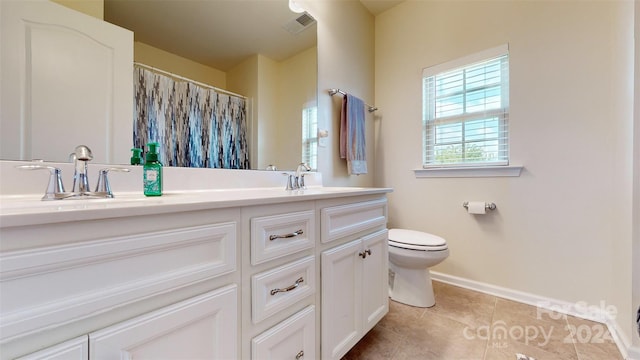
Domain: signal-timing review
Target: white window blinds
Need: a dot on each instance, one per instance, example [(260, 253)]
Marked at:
[(310, 135), (466, 111)]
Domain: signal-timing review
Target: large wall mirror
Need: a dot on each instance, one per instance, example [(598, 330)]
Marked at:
[(259, 49)]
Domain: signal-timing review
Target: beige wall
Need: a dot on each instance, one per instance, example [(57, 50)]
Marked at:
[(267, 115), (563, 228), (345, 61), (152, 56), (297, 85), (94, 8)]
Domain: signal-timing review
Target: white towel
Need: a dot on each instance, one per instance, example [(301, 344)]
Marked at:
[(353, 146)]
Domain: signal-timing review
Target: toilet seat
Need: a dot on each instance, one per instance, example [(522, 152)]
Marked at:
[(416, 240)]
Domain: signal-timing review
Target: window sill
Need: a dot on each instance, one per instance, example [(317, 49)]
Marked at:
[(462, 172)]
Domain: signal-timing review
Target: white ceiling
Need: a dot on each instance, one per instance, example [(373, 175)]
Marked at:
[(218, 33)]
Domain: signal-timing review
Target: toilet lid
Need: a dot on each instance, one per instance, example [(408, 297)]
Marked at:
[(417, 240)]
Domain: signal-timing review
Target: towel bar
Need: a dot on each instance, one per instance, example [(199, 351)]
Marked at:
[(338, 91)]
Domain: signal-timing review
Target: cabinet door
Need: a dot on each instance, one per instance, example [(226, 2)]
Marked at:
[(65, 79), (203, 327), (375, 282), (75, 349), (341, 298)]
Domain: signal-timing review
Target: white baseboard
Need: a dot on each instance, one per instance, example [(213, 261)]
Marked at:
[(594, 313)]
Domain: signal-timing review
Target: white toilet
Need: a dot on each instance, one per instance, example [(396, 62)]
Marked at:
[(411, 254)]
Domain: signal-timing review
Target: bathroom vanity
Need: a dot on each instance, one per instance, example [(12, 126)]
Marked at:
[(201, 273)]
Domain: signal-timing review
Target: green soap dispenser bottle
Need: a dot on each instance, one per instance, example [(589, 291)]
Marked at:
[(152, 171)]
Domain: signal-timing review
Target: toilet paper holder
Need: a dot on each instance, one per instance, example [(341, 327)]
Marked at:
[(487, 206)]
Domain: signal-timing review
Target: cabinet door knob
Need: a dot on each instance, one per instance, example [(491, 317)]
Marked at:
[(289, 288), (300, 355), (295, 233)]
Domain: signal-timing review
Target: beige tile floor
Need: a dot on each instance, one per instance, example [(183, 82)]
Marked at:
[(468, 325)]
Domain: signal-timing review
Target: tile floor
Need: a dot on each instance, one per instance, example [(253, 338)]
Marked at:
[(468, 325)]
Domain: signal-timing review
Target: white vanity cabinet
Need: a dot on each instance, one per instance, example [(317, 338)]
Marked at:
[(295, 275), (354, 274)]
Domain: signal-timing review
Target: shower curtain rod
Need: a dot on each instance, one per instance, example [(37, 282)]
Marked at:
[(338, 91), (175, 76)]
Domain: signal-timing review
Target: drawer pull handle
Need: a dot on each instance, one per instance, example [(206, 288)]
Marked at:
[(293, 234), (300, 355), (297, 283), (365, 253)]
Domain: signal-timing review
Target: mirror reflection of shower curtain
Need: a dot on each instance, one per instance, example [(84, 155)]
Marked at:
[(195, 126)]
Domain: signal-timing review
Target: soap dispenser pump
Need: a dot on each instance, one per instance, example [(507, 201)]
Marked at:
[(152, 171), (136, 158)]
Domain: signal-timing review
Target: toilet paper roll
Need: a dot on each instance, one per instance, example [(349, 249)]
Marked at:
[(476, 207)]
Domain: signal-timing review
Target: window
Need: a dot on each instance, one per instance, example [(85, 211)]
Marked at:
[(466, 111), (310, 135)]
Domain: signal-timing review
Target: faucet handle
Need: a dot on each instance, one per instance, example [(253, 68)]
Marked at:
[(103, 185), (54, 186)]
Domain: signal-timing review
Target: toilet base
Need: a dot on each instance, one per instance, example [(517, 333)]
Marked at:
[(412, 287)]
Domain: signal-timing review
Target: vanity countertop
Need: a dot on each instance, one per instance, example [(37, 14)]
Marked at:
[(29, 210), (185, 189)]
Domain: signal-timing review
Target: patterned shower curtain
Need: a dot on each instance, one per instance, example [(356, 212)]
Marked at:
[(195, 126)]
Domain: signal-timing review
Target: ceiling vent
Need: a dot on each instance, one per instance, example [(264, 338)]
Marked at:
[(302, 22)]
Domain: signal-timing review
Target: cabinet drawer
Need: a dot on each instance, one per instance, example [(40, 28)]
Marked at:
[(340, 221), (293, 338), (276, 289), (280, 235), (46, 286)]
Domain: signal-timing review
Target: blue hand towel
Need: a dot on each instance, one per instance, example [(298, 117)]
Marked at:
[(352, 135)]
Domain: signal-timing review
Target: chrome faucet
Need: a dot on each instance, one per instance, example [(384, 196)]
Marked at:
[(80, 157), (55, 188), (296, 181)]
